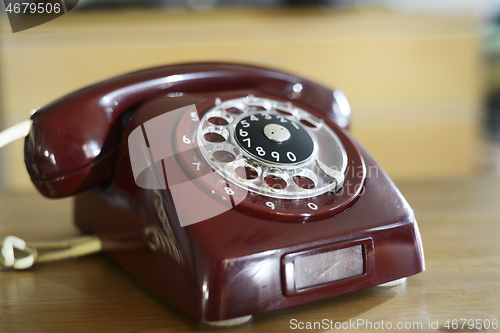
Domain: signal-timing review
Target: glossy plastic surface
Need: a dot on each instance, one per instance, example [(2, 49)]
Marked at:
[(233, 264), (80, 132), (288, 210), (236, 263)]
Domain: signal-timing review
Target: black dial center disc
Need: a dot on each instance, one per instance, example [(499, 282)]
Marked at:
[(283, 142)]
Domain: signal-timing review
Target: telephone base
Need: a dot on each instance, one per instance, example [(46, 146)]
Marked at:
[(393, 283), (229, 189), (235, 265), (229, 322)]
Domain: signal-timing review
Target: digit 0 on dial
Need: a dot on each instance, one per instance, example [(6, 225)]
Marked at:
[(274, 139), (279, 152)]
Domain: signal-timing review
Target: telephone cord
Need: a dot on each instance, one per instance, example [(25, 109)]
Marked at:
[(15, 132), (36, 252)]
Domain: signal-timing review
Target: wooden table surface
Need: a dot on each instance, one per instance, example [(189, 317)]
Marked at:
[(460, 225)]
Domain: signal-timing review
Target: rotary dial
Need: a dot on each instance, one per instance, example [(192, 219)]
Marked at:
[(274, 139), (272, 148)]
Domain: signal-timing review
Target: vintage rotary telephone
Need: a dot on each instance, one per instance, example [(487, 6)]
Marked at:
[(229, 189)]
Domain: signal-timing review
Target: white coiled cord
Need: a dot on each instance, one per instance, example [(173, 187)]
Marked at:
[(32, 253), (29, 252)]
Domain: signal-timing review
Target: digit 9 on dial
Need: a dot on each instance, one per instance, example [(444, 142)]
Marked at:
[(277, 151), (246, 177)]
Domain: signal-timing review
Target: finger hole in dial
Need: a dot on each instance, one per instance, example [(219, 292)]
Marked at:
[(284, 112), (304, 182), (214, 137), (223, 156), (234, 110), (218, 121), (308, 123), (246, 172), (275, 182)]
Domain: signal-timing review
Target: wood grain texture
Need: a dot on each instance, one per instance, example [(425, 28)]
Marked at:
[(460, 225)]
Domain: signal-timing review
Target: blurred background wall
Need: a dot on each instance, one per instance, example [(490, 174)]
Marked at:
[(413, 71)]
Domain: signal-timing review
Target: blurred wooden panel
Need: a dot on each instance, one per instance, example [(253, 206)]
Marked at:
[(386, 64), (423, 151)]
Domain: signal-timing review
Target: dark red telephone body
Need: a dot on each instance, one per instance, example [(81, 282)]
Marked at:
[(218, 243)]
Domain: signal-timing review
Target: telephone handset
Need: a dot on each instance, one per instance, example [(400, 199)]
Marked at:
[(229, 189), (74, 139)]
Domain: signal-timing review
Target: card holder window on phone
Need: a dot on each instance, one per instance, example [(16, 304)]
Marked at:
[(229, 189)]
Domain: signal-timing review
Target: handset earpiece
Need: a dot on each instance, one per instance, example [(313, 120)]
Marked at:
[(73, 143)]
